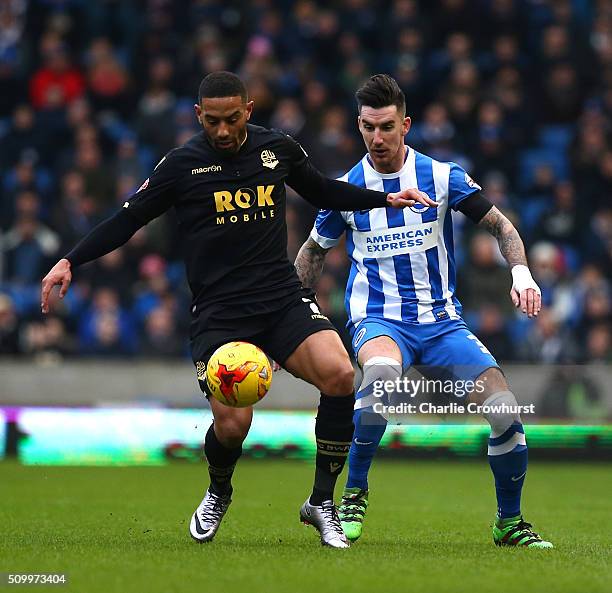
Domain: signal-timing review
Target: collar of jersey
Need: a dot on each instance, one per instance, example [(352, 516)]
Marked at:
[(366, 163)]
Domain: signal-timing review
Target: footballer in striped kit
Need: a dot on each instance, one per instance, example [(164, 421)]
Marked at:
[(401, 303)]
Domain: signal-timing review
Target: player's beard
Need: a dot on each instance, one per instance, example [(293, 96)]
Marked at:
[(229, 148), (234, 146)]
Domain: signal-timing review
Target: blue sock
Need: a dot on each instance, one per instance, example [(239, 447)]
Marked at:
[(369, 430), (509, 469)]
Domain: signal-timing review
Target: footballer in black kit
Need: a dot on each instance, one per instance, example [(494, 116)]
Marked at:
[(227, 186), (231, 214)]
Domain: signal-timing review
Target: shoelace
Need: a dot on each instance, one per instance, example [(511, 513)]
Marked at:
[(214, 508), (519, 532), (331, 515), (526, 528), (353, 509)]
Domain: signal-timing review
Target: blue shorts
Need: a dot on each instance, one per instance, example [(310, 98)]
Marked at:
[(448, 346)]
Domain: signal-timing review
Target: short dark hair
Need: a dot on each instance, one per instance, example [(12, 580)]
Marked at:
[(221, 84), (381, 90)]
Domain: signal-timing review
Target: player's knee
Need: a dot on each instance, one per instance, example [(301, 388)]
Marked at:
[(340, 380), (231, 432), (380, 368), (500, 411)]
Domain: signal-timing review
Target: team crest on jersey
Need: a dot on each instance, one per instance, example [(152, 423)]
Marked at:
[(419, 208), (268, 159), (471, 182), (144, 185)]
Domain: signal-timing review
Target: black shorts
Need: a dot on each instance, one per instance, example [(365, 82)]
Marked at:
[(277, 333)]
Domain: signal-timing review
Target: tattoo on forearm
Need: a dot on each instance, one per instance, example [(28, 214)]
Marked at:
[(510, 242), (309, 263)]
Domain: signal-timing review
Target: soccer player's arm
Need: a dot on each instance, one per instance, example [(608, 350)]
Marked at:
[(465, 196), (328, 228), (154, 197), (331, 194)]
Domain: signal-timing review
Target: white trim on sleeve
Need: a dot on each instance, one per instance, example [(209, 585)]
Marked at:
[(324, 242)]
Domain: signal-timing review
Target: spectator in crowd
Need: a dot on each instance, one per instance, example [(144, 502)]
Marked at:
[(107, 79), (485, 280), (492, 332), (161, 338), (599, 344), (106, 329), (22, 139), (47, 339), (57, 83), (28, 246), (547, 342), (563, 222)]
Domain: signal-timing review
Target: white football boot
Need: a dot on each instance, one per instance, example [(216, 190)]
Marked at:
[(327, 522), (207, 517)]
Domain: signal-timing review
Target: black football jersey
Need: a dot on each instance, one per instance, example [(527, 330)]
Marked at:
[(231, 213)]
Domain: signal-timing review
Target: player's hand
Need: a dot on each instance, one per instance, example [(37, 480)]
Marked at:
[(525, 293), (60, 274), (409, 197)]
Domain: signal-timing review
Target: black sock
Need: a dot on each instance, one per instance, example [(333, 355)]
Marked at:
[(221, 462), (334, 433)]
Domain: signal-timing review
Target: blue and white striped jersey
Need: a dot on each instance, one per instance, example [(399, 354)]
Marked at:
[(402, 261)]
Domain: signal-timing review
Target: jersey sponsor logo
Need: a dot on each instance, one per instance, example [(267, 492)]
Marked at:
[(245, 198), (209, 169), (389, 242), (144, 185), (471, 182), (268, 159)]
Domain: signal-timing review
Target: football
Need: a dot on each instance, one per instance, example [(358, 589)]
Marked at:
[(238, 374)]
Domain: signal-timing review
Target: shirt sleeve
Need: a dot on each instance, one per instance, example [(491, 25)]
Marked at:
[(475, 207), (158, 192), (104, 238), (460, 186), (297, 155), (322, 192), (328, 228)]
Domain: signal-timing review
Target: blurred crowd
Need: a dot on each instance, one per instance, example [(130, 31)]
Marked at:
[(92, 94)]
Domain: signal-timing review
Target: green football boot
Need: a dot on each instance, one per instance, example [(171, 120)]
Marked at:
[(352, 512), (513, 531)]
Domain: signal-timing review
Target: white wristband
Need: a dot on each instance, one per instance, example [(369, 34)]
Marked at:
[(522, 279)]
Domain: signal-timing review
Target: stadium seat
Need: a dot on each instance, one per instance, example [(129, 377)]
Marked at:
[(531, 159)]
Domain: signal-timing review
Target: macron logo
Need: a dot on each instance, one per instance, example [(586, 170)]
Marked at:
[(211, 169)]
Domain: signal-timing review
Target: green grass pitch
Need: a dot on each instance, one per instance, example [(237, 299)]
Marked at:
[(428, 530)]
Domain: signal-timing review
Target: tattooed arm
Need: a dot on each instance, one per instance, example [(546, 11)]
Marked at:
[(510, 242), (525, 293), (309, 263)]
